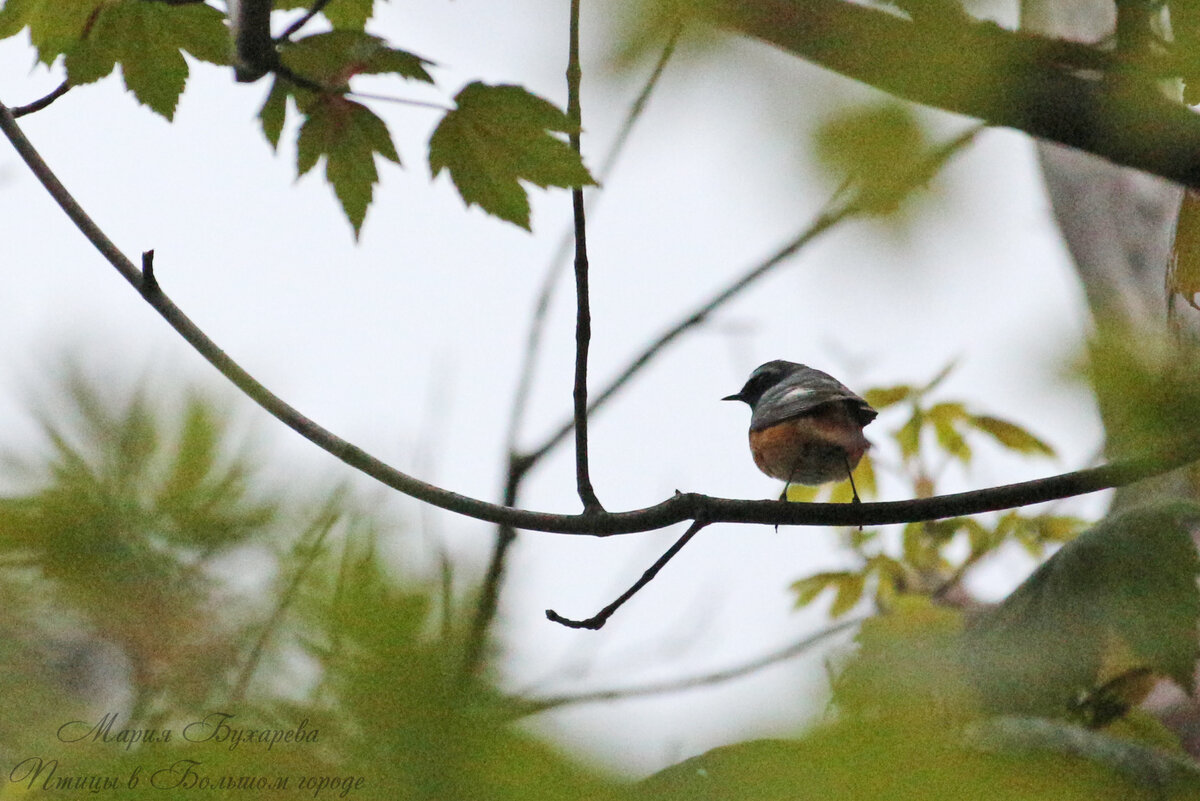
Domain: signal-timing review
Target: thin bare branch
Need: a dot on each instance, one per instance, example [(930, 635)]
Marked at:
[(541, 307), (678, 508), (583, 313), (303, 20), (598, 620), (533, 706), (42, 102)]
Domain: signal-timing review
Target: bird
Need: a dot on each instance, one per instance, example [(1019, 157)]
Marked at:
[(806, 427)]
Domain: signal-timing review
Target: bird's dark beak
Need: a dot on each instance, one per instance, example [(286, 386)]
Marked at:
[(732, 397)]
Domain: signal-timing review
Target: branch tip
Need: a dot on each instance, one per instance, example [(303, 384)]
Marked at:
[(592, 623), (149, 282)]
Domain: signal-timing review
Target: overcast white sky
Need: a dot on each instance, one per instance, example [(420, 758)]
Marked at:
[(412, 338)]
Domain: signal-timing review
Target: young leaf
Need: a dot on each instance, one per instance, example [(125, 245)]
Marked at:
[(909, 435), (802, 493), (497, 137), (332, 58), (849, 593), (882, 397), (808, 588), (945, 416), (1058, 528), (1011, 435), (348, 135)]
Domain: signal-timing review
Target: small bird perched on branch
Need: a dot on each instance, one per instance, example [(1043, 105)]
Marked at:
[(806, 427)]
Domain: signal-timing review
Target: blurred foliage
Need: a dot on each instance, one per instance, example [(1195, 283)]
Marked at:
[(1112, 610), (1146, 388), (128, 662), (933, 557), (1000, 703), (880, 147)]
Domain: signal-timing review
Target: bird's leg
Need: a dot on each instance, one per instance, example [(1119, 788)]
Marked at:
[(783, 495), (850, 475)]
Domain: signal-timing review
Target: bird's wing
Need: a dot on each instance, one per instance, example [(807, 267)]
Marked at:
[(796, 398)]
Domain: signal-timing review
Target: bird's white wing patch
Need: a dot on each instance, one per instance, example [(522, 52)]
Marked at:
[(797, 393)]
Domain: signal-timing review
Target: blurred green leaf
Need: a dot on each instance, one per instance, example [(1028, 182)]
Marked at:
[(849, 593), (909, 435), (499, 136), (807, 589), (945, 418), (881, 147), (864, 481), (802, 493), (891, 577), (907, 659), (347, 135), (883, 397), (1147, 389), (1122, 595), (1174, 775), (980, 539), (1011, 435)]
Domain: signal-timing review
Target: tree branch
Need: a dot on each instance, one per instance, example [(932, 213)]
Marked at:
[(1015, 80), (534, 706), (519, 466), (681, 507), (316, 8), (598, 620), (42, 102), (583, 314)]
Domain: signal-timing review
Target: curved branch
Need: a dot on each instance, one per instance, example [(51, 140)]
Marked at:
[(42, 102), (681, 507), (1044, 87), (598, 620)]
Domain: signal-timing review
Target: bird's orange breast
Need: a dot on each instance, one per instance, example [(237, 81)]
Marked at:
[(811, 449)]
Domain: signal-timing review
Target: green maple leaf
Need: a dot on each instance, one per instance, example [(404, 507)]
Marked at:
[(54, 25), (144, 38), (495, 138), (332, 58), (348, 135)]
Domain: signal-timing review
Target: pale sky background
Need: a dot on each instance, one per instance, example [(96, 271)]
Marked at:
[(411, 339)]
